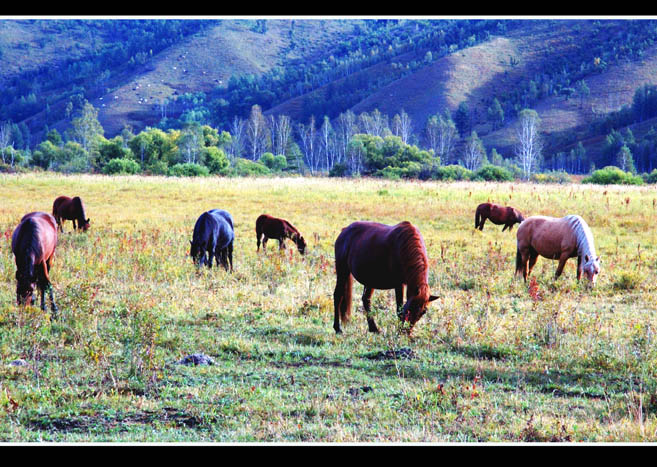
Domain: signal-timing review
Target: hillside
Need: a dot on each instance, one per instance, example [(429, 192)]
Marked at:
[(391, 71)]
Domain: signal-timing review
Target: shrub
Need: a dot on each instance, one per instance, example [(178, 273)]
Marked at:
[(121, 166), (188, 169), (650, 177), (245, 167), (555, 176), (216, 160), (493, 173), (451, 172), (612, 175), (339, 170), (274, 163)]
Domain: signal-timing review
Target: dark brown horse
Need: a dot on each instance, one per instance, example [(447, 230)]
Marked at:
[(381, 257), (65, 208), (33, 244), (499, 215), (279, 229), (557, 238)]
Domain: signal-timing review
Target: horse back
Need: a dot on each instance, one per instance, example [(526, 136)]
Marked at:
[(60, 203), (213, 228), (38, 230), (549, 236)]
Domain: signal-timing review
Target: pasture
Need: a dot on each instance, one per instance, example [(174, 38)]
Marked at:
[(493, 360)]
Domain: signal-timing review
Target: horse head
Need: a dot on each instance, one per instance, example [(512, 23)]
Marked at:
[(518, 215), (301, 244), (85, 225), (197, 253), (25, 285), (591, 268), (414, 308)]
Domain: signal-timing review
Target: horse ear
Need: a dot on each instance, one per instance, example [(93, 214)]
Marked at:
[(87, 221), (586, 258), (432, 298), (598, 259)]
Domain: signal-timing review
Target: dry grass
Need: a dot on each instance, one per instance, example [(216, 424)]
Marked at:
[(493, 360)]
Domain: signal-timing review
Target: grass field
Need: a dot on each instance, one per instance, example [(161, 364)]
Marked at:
[(493, 360)]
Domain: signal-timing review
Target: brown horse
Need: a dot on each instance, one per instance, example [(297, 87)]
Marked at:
[(33, 244), (272, 227), (499, 215), (65, 208), (381, 257), (557, 238)]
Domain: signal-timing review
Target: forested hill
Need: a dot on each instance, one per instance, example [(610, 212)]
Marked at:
[(580, 76)]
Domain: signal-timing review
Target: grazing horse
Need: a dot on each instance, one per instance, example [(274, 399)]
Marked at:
[(214, 234), (498, 215), (381, 257), (557, 238), (272, 227), (33, 244), (65, 208)]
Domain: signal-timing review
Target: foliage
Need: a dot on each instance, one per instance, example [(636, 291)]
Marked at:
[(492, 173), (120, 166), (555, 176), (612, 175), (246, 167), (188, 169), (451, 173)]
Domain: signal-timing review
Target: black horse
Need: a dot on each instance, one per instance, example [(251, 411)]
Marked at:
[(214, 235)]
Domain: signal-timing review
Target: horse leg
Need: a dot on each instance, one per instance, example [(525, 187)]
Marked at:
[(579, 267), (533, 256), (367, 300), (399, 298), (281, 244), (258, 235), (230, 255), (482, 222), (264, 243), (562, 262)]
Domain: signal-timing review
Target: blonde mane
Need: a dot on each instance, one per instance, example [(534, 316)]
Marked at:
[(585, 245)]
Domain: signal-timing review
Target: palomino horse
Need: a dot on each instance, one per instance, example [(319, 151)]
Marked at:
[(214, 234), (499, 215), (381, 257), (272, 227), (33, 244), (65, 208), (557, 238)]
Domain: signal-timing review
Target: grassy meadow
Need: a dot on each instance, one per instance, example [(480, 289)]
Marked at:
[(493, 360)]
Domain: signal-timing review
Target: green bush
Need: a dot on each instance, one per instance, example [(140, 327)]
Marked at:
[(188, 169), (274, 163), (612, 175), (245, 167), (215, 160), (451, 172), (492, 173), (555, 176), (650, 177), (121, 166)]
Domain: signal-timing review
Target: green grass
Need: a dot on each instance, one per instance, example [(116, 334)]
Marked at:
[(489, 362)]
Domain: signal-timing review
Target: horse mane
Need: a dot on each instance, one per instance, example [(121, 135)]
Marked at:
[(415, 263), (583, 234), (27, 242), (78, 201)]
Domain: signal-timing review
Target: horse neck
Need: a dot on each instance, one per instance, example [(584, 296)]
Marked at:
[(414, 267), (583, 236)]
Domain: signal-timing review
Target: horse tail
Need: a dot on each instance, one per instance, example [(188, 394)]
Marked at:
[(518, 261), (345, 303)]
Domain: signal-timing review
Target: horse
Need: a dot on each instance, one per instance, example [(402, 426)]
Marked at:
[(381, 257), (498, 215), (33, 243), (557, 238), (65, 208), (214, 234), (279, 229)]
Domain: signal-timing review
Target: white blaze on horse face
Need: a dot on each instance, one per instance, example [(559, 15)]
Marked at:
[(591, 269)]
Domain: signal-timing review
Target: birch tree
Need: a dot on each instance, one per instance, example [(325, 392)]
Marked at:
[(5, 137), (402, 126), (308, 136), (256, 132), (474, 153), (346, 128), (529, 146), (238, 135)]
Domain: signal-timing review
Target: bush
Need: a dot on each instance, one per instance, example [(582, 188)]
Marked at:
[(650, 177), (339, 170), (245, 167), (612, 175), (556, 176), (274, 163), (121, 166), (451, 172), (493, 173), (188, 169), (216, 160)]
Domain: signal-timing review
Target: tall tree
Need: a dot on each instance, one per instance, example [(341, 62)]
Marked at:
[(474, 153), (402, 126), (86, 127), (256, 132), (308, 136), (529, 146)]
